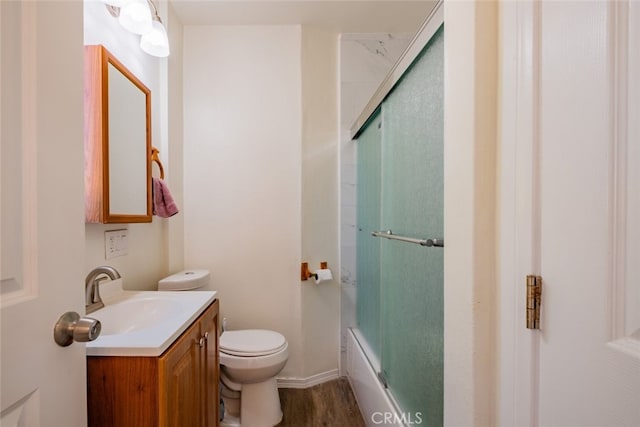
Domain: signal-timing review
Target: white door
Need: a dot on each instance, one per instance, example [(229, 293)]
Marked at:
[(571, 213), (42, 262)]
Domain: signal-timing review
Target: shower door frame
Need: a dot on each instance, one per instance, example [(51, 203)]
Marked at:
[(428, 30)]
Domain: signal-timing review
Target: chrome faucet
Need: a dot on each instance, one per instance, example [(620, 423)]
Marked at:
[(93, 300)]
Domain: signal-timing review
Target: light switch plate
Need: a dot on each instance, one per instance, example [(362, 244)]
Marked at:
[(116, 243)]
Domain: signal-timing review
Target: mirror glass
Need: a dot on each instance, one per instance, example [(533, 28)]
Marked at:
[(127, 145), (117, 141)]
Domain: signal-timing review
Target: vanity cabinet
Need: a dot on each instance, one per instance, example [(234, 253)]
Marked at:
[(176, 389)]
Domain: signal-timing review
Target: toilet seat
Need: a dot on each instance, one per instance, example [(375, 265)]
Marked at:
[(251, 342)]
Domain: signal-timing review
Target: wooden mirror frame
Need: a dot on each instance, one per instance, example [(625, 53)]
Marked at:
[(96, 138)]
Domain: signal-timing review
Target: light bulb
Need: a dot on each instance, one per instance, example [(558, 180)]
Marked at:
[(135, 16), (156, 42)]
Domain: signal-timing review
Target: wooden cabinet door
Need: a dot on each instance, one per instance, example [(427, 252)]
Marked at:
[(210, 366), (122, 391), (180, 381)]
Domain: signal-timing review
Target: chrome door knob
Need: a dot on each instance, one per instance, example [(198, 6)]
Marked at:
[(71, 327)]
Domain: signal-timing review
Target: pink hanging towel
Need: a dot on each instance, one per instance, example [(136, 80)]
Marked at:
[(163, 203)]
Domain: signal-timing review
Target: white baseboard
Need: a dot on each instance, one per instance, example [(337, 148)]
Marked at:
[(291, 382)]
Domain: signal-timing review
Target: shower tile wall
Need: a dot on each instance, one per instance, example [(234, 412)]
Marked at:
[(365, 59)]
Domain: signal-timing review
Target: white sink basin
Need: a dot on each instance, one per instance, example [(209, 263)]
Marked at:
[(145, 323), (139, 312)]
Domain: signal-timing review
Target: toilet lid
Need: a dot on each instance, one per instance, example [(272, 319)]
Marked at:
[(251, 342)]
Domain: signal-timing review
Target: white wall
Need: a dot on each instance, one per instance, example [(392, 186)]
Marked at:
[(260, 180), (242, 177), (320, 302), (471, 76), (173, 144), (147, 259)]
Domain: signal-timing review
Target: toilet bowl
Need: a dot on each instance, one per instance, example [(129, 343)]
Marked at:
[(249, 361)]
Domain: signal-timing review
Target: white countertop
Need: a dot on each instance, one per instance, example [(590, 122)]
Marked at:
[(145, 323)]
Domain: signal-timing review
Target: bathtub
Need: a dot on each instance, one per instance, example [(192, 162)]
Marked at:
[(375, 404)]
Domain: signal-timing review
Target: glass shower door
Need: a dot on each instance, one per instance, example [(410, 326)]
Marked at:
[(368, 219), (411, 275)]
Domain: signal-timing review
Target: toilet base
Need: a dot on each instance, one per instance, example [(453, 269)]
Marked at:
[(230, 421), (260, 404)]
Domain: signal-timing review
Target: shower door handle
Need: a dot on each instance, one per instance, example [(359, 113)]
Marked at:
[(388, 234), (438, 243)]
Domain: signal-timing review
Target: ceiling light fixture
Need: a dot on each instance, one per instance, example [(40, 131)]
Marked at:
[(115, 3), (156, 41), (136, 17)]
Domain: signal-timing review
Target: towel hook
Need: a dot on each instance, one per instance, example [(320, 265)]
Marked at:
[(156, 158)]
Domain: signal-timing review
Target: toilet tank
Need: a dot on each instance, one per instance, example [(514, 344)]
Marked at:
[(184, 280)]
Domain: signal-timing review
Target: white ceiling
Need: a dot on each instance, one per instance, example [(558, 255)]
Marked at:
[(358, 16)]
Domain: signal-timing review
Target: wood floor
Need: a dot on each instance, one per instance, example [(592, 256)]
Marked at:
[(330, 404)]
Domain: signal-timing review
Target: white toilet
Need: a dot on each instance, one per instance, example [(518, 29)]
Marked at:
[(250, 359), (249, 362)]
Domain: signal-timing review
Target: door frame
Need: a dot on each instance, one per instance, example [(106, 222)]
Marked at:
[(518, 211)]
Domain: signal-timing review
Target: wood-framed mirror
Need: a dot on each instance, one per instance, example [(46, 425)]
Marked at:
[(117, 141)]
